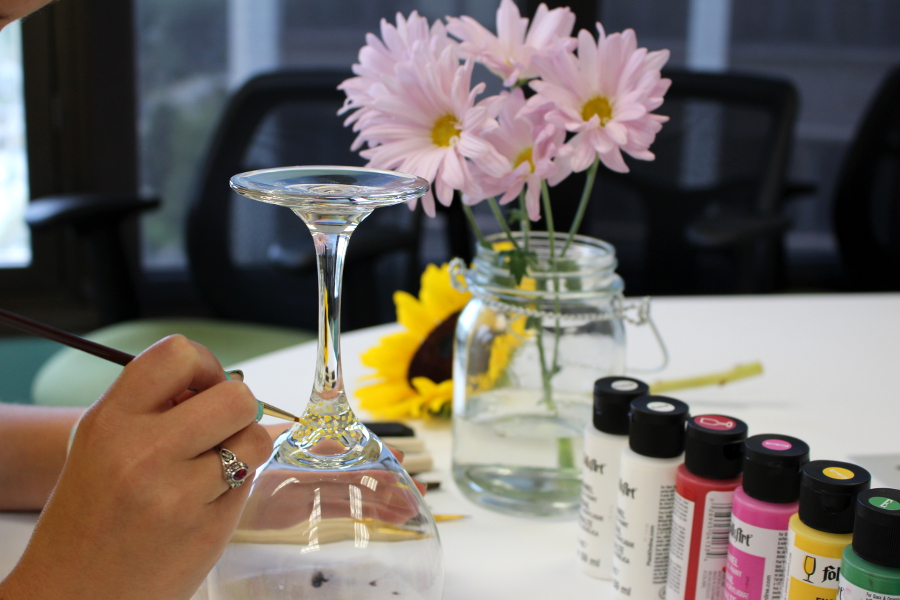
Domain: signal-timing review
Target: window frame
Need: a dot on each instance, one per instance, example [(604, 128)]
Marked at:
[(81, 131)]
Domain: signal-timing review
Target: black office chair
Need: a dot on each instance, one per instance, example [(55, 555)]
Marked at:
[(867, 195), (254, 261), (710, 204)]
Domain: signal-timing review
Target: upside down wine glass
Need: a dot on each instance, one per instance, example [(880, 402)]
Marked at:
[(332, 514)]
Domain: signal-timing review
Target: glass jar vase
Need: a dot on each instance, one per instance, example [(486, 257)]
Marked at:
[(526, 356)]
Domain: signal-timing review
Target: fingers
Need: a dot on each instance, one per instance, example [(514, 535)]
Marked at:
[(276, 429), (251, 446), (159, 376), (399, 454), (203, 421)]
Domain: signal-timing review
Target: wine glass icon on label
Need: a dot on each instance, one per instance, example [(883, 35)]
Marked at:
[(809, 567)]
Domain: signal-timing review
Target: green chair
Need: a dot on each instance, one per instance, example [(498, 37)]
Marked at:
[(73, 378), (20, 360)]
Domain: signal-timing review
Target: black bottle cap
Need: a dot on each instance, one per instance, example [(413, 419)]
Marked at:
[(657, 426), (612, 400), (876, 529), (772, 466), (828, 490), (713, 446)]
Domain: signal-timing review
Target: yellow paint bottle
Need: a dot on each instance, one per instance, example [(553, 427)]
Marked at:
[(822, 528)]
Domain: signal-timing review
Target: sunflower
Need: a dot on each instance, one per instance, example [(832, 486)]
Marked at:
[(413, 368), (507, 334)]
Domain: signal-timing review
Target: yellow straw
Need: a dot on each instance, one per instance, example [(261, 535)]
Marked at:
[(718, 378)]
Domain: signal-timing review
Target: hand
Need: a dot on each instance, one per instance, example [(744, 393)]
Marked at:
[(142, 509)]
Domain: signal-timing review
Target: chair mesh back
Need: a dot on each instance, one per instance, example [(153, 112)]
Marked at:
[(867, 196), (706, 143), (254, 261)]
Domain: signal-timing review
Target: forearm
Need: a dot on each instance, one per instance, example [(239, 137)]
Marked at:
[(32, 452)]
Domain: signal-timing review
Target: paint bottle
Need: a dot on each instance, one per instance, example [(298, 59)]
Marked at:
[(704, 490), (870, 569), (604, 440), (646, 497), (762, 508), (822, 528)]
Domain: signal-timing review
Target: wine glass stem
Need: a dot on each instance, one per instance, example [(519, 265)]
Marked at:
[(331, 248)]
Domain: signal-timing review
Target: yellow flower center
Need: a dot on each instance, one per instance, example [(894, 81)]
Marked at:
[(598, 105), (522, 157), (444, 130)]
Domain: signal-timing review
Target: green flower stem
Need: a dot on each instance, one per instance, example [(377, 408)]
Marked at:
[(498, 214), (467, 210), (565, 454), (582, 204), (545, 381), (545, 198), (565, 457), (526, 226), (548, 214)]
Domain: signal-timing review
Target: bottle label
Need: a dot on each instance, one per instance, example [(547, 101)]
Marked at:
[(849, 591), (596, 519), (714, 546), (641, 548), (810, 576), (756, 562), (885, 503), (624, 385), (680, 547)]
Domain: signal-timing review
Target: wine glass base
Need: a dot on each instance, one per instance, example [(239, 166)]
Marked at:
[(304, 447)]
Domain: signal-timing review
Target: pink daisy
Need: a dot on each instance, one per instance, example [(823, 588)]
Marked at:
[(511, 52), (427, 123), (378, 59), (605, 96), (529, 144)]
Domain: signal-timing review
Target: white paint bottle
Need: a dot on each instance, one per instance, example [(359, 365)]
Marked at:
[(646, 497), (604, 440)]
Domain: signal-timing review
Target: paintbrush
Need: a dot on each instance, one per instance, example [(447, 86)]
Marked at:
[(105, 352)]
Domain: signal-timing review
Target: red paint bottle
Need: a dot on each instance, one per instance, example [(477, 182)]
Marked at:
[(704, 489)]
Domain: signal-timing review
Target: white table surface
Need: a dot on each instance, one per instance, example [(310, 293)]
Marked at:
[(831, 371)]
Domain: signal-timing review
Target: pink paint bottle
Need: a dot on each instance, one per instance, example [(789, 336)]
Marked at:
[(760, 517)]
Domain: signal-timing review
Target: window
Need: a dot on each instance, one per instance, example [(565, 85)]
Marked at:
[(15, 245)]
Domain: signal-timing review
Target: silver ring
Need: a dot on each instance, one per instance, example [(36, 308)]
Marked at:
[(236, 472)]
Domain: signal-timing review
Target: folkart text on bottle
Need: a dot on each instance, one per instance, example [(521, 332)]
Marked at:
[(626, 490), (739, 537), (594, 466)]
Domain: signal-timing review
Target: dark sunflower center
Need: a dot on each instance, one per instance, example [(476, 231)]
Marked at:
[(434, 358)]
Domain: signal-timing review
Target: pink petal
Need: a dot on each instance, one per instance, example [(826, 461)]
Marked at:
[(614, 161), (533, 200)]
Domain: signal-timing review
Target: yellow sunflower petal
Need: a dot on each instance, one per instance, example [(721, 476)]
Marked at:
[(528, 284), (433, 397), (396, 345), (438, 295), (413, 315)]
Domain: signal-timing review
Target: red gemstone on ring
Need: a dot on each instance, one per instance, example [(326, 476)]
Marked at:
[(240, 474)]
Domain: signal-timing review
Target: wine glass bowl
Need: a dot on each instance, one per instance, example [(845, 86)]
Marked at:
[(332, 514)]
